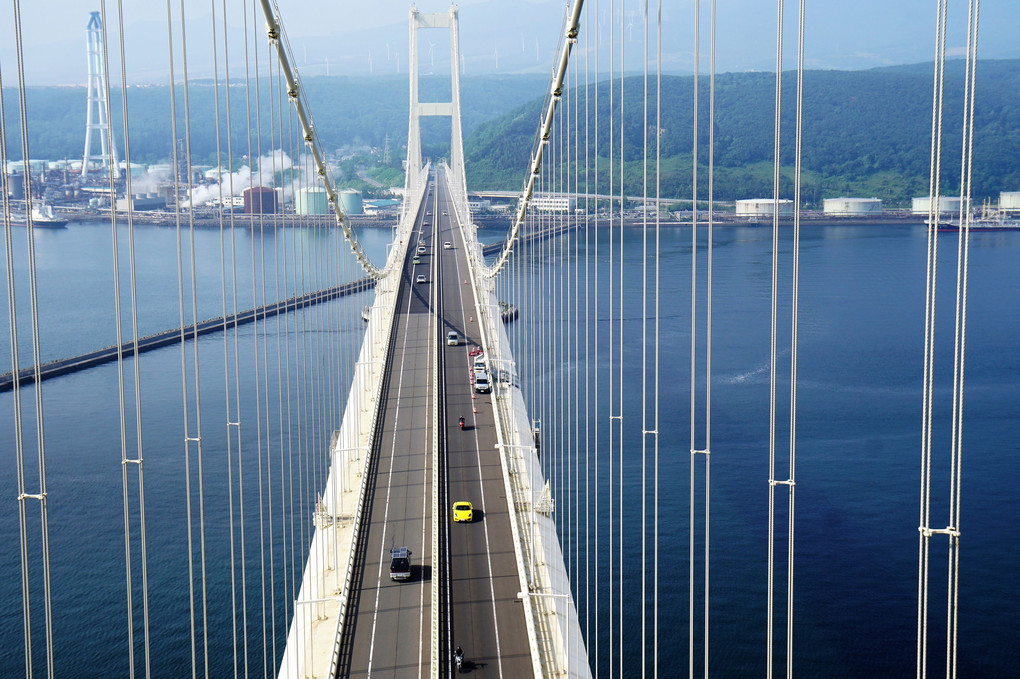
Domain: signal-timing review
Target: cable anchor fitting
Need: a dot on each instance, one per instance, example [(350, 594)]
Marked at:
[(948, 530)]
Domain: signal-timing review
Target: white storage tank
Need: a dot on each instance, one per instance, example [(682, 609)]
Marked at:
[(1009, 201), (948, 205), (351, 202), (311, 201), (851, 207), (763, 207)]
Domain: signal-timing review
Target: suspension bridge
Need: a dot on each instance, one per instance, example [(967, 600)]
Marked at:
[(277, 492)]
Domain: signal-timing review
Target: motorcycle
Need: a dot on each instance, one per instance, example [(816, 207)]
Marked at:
[(458, 659)]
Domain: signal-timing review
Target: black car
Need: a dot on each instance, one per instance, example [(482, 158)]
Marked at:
[(400, 563)]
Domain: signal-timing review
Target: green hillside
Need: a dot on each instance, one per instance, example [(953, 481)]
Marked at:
[(349, 113), (866, 133)]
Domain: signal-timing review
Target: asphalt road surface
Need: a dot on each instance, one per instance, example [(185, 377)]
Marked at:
[(390, 631)]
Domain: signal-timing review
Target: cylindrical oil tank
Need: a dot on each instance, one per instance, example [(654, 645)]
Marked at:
[(947, 205), (350, 200), (1009, 201), (259, 200), (762, 207), (310, 201), (16, 185), (851, 207)]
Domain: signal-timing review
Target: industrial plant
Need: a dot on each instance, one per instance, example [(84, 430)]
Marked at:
[(91, 186)]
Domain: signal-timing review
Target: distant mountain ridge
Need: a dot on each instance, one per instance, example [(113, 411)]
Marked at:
[(56, 115), (866, 133)]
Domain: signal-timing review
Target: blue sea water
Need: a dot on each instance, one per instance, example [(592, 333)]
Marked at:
[(858, 445), (860, 365)]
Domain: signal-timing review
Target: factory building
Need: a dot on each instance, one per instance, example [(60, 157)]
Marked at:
[(479, 205), (351, 202), (259, 200), (1009, 201), (852, 207), (763, 207), (550, 203), (311, 201), (141, 202), (948, 205)]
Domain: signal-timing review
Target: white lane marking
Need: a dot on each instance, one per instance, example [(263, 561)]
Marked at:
[(481, 486)]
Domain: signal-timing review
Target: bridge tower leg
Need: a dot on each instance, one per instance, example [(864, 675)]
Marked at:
[(448, 20), (96, 118)]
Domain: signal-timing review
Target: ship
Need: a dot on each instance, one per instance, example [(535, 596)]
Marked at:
[(989, 219), (43, 217)]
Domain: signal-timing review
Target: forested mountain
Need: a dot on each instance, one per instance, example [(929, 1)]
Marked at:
[(348, 112), (866, 133)]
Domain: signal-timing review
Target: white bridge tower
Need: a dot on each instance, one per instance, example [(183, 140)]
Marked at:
[(451, 108), (97, 118)]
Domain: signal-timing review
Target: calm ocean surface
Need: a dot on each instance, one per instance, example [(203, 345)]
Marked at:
[(858, 453)]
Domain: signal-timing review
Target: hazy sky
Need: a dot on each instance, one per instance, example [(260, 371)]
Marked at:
[(342, 36)]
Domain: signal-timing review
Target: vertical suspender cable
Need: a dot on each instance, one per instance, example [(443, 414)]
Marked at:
[(258, 276), (655, 359), (229, 180), (960, 337), (644, 347), (138, 461), (619, 338), (19, 441), (596, 363), (195, 363), (588, 205), (180, 307), (773, 334), (33, 299), (236, 422), (708, 329), (692, 458), (118, 335), (614, 578), (794, 312), (934, 188), (278, 504)]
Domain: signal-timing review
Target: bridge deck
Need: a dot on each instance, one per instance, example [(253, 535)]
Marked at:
[(389, 634)]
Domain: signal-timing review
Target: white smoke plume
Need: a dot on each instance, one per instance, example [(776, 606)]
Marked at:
[(150, 182), (273, 166)]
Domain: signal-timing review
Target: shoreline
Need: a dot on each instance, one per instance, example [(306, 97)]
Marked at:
[(482, 221)]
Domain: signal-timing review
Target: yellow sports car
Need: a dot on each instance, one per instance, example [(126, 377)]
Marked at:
[(463, 511)]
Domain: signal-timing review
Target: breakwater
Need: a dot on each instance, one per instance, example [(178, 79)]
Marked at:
[(158, 340)]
